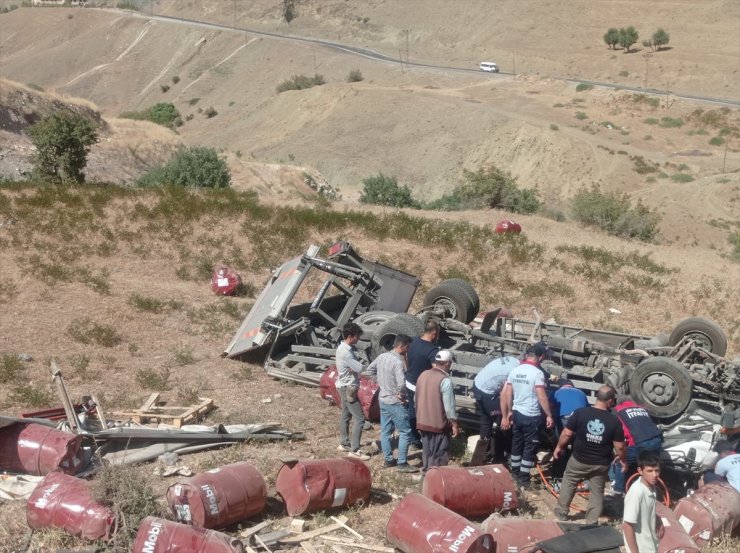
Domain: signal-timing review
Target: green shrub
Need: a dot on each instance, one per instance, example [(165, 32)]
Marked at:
[(10, 368), (87, 331), (127, 6), (716, 141), (671, 122), (624, 73), (681, 177), (164, 87), (580, 115), (62, 142), (300, 82), (161, 113), (735, 242), (193, 101), (489, 187), (581, 87), (175, 79), (158, 381), (615, 214), (196, 166), (383, 190), (211, 112), (651, 121), (34, 86), (554, 127), (354, 76)]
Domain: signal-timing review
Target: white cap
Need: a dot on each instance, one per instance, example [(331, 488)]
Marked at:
[(443, 356)]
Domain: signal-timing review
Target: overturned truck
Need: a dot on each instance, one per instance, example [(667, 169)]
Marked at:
[(682, 378)]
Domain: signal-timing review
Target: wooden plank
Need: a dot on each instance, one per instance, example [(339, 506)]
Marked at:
[(313, 533), (259, 541), (346, 527), (356, 545), (308, 548), (254, 529), (194, 412), (151, 401)]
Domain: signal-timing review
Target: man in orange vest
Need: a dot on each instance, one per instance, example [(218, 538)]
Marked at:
[(436, 415)]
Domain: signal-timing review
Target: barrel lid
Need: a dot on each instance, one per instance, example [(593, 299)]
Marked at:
[(290, 484)]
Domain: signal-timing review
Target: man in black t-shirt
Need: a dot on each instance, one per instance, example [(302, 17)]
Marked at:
[(596, 432), (419, 358)]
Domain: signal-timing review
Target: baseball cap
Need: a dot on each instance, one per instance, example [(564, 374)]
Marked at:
[(540, 348), (443, 356)]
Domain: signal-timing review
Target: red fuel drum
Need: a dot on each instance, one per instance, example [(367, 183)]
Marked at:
[(419, 525), (675, 539), (63, 501), (157, 535), (225, 281), (471, 491), (37, 449), (310, 486), (367, 394), (508, 226), (712, 511), (219, 497), (520, 535)]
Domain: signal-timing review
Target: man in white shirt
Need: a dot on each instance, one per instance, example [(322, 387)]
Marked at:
[(349, 368), (523, 400)]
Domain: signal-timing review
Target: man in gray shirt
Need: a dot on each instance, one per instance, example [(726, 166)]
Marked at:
[(349, 368), (391, 373)]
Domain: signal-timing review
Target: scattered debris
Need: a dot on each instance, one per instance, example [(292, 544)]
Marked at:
[(225, 281), (342, 520), (155, 409), (17, 486)]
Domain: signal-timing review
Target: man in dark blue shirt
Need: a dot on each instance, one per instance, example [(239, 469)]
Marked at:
[(422, 352), (568, 399)]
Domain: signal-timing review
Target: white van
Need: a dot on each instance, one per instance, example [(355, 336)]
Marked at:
[(488, 66)]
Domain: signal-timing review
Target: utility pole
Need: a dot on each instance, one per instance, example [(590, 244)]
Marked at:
[(513, 54), (151, 7), (235, 15), (724, 159), (407, 44), (646, 56), (400, 60)]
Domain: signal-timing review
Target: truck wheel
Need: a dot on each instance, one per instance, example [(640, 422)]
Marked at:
[(370, 321), (708, 333), (662, 385), (386, 333), (461, 300)]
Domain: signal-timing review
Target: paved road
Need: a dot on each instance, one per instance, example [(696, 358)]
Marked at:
[(377, 56)]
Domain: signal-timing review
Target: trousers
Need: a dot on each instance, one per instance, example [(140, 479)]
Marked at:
[(350, 412), (525, 440), (435, 449), (575, 473), (394, 416)]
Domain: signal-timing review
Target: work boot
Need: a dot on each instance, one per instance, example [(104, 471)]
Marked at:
[(406, 468)]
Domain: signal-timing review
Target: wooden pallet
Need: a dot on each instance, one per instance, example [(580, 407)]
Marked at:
[(154, 409)]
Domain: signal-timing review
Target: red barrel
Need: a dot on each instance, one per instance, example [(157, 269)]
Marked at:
[(471, 491), (157, 535), (508, 226), (710, 512), (419, 525), (225, 281), (63, 501), (367, 394), (519, 534), (219, 497), (310, 486), (37, 449), (675, 539)]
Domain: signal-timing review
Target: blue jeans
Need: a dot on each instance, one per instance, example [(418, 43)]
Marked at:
[(620, 478), (395, 416)]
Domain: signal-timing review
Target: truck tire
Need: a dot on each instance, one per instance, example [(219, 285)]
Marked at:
[(703, 330), (662, 385), (456, 297), (386, 333), (469, 290), (370, 321)]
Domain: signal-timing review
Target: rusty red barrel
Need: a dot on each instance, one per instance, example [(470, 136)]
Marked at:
[(367, 394), (219, 497), (157, 535), (471, 491), (63, 501), (37, 449), (310, 486), (419, 525), (710, 512), (519, 534), (675, 539)]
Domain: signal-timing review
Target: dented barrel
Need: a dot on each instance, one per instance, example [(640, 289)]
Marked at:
[(472, 491), (219, 497), (157, 535), (310, 486), (419, 525), (63, 501), (38, 450), (367, 394), (519, 534), (711, 511), (674, 539)]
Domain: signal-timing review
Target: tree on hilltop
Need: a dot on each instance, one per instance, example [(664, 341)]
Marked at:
[(62, 142), (612, 37), (627, 37)]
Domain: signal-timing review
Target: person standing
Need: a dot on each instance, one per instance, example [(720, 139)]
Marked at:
[(640, 433), (597, 432), (523, 401), (349, 368), (487, 387), (436, 414), (390, 368), (641, 527), (420, 357)]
